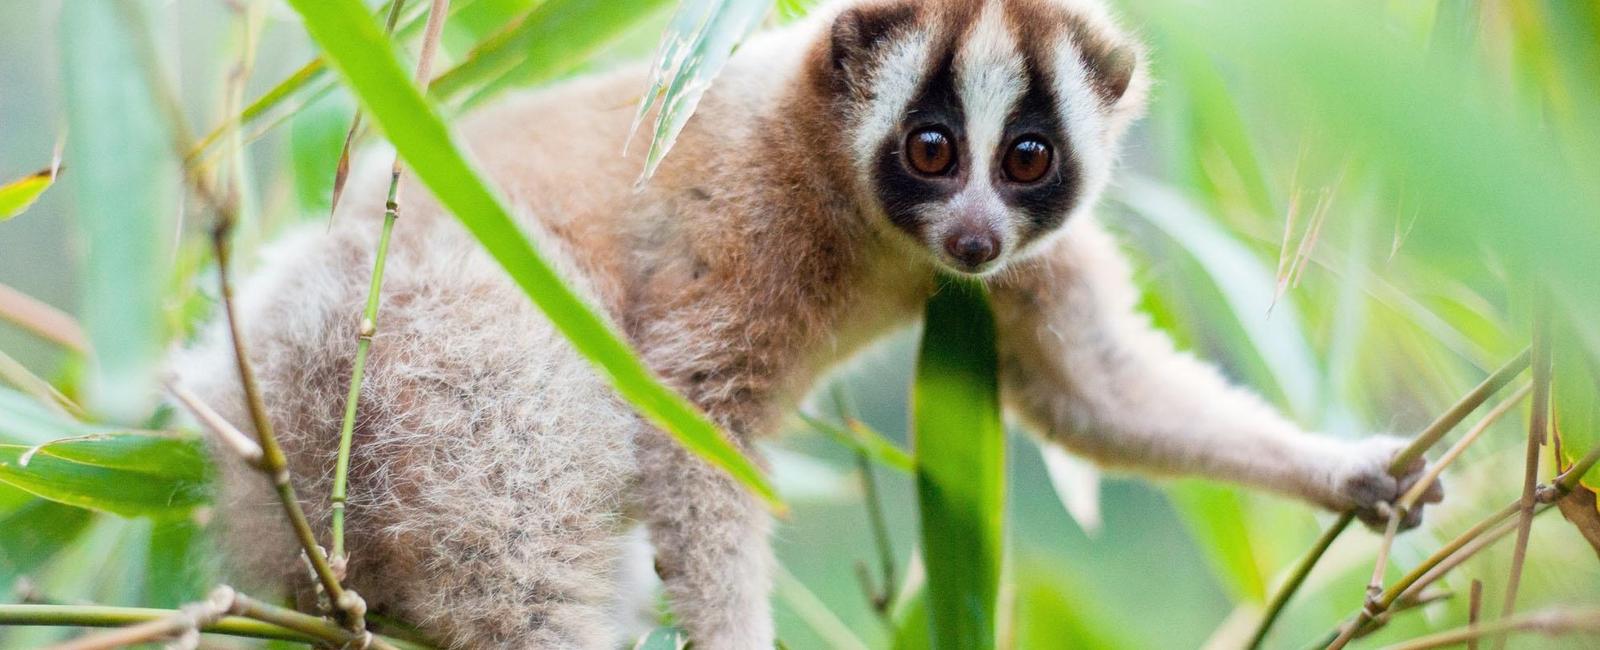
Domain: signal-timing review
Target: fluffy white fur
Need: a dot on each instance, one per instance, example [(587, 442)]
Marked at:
[(495, 476)]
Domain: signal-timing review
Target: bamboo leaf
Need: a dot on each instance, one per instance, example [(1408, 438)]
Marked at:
[(19, 195), (34, 533), (960, 453), (27, 422), (123, 180), (1245, 283), (549, 41), (356, 47), (131, 475), (662, 638), (859, 437), (697, 44)]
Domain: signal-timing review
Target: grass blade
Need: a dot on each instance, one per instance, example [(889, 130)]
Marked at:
[(356, 47), (960, 453), (118, 142), (698, 43), (109, 475), (18, 195)]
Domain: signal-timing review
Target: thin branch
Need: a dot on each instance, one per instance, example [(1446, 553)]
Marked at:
[(42, 320), (188, 620), (1550, 622), (231, 436), (1459, 411), (1538, 432), (1474, 610), (1302, 569), (1429, 436), (1410, 498), (14, 373), (302, 628), (437, 12), (342, 170), (274, 464)]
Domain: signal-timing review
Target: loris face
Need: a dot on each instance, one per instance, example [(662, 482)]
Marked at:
[(978, 127)]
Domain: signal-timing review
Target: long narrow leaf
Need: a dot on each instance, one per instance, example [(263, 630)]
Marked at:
[(93, 475), (960, 453), (19, 195), (356, 47), (124, 186), (551, 40), (697, 45)]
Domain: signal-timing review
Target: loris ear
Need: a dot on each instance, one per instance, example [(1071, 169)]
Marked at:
[(1111, 69), (857, 34), (1115, 71)]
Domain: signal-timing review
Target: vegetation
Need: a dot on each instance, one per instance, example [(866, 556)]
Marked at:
[(1381, 217)]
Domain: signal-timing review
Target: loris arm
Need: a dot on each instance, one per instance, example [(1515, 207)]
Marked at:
[(1083, 367)]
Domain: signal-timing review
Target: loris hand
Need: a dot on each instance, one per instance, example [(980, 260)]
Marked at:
[(1364, 482)]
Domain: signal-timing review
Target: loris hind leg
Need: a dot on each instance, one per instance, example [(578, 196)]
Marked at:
[(490, 463)]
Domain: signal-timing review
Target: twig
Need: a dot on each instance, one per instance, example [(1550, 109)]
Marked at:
[(1549, 622), (1474, 609), (42, 320), (305, 629), (342, 170), (1538, 431), (1411, 497), (1451, 417), (188, 620), (231, 436), (18, 375), (274, 464), (1459, 411), (1302, 569), (1371, 610), (369, 318)]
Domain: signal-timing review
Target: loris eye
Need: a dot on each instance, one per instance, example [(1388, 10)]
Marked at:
[(930, 151), (1027, 161)]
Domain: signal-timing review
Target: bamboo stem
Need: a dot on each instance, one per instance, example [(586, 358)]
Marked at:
[(275, 465), (189, 619), (1436, 430), (342, 169), (1538, 431), (42, 320), (302, 628), (369, 318), (1549, 622), (224, 430)]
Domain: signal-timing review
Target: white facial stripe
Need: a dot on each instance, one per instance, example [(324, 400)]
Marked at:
[(990, 79), (900, 72), (1081, 112)]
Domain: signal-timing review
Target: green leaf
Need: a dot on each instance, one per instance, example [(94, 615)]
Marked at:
[(550, 41), (859, 437), (1245, 283), (27, 422), (960, 453), (1215, 515), (663, 638), (697, 45), (128, 474), (124, 182), (18, 195), (356, 47), (34, 533)]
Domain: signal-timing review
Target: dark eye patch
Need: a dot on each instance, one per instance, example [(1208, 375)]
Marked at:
[(1047, 200), (936, 105)]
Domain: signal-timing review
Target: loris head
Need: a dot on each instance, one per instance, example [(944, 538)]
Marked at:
[(977, 128)]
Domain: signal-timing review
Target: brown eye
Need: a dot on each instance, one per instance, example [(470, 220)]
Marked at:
[(1027, 161), (930, 151)]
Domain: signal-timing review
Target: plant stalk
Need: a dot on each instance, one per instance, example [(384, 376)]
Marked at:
[(1429, 436), (369, 318), (1538, 432)]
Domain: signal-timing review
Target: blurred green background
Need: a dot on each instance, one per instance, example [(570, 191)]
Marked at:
[(1347, 207)]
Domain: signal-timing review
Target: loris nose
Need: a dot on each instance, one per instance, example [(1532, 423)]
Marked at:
[(972, 249)]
